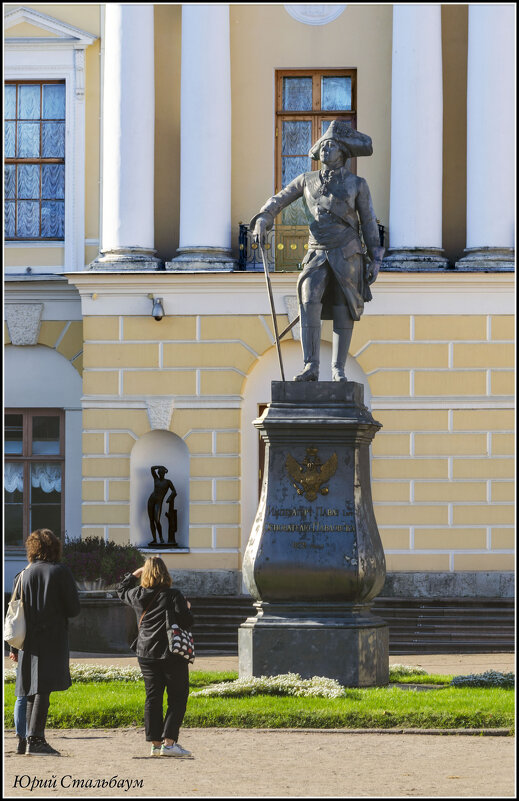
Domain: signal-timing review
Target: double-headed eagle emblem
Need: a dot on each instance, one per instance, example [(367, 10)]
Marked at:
[(309, 476)]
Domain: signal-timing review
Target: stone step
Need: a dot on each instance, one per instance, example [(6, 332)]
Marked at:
[(470, 625)]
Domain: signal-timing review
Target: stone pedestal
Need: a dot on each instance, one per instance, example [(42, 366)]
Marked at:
[(348, 644), (314, 561)]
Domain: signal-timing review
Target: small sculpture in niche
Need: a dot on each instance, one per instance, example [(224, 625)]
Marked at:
[(161, 487)]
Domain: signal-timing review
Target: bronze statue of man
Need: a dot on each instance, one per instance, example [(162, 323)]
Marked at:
[(336, 276)]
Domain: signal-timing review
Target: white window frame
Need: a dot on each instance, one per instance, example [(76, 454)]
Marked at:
[(60, 57)]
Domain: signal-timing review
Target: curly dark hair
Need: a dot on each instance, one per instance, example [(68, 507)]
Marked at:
[(43, 544)]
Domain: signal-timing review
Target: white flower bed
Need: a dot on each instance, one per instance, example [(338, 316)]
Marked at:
[(83, 674), (405, 670), (285, 684)]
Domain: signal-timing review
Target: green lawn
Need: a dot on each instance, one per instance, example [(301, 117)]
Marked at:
[(120, 704)]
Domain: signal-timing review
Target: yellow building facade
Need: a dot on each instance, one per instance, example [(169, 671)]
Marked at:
[(434, 349)]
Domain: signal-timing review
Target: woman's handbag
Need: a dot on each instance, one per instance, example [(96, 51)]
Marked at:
[(14, 626), (180, 641)]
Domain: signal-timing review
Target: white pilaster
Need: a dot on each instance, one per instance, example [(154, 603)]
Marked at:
[(490, 138), (415, 216), (127, 237), (205, 178)]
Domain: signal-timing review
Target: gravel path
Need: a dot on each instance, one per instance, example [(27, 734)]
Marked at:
[(255, 763)]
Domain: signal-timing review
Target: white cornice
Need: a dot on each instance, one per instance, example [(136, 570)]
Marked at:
[(42, 290), (64, 34), (181, 402), (245, 293), (235, 402)]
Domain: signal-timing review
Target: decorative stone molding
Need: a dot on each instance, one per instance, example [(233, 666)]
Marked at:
[(23, 321), (292, 307), (314, 13), (62, 32), (160, 411), (79, 63)]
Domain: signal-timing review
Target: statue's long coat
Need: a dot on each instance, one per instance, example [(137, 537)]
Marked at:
[(50, 598), (333, 213)]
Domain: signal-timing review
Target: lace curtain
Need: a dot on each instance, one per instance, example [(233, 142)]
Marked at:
[(46, 477), (13, 477)]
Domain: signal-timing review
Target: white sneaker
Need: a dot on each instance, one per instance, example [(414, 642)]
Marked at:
[(155, 750), (174, 750)]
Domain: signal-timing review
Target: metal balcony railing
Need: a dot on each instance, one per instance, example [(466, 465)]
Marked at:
[(285, 248)]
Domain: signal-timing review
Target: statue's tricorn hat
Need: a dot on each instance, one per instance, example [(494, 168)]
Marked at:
[(355, 142)]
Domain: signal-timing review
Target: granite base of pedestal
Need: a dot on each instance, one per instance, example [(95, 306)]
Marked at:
[(352, 650)]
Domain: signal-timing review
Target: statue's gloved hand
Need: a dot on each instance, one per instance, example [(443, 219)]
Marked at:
[(373, 271), (260, 230)]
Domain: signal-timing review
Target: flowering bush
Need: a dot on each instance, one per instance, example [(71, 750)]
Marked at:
[(84, 674), (93, 558), (491, 678), (285, 684), (397, 670)]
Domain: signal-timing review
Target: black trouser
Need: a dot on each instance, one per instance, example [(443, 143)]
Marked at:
[(36, 715), (171, 674)]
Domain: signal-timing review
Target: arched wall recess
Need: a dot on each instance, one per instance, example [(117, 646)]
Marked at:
[(158, 448), (39, 377), (256, 390)]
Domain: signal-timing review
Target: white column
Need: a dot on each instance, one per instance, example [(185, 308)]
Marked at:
[(127, 236), (205, 140), (490, 138), (415, 216)]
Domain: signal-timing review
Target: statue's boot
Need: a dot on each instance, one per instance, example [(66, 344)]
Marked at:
[(310, 340), (342, 333)]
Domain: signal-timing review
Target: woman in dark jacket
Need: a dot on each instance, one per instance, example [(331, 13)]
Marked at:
[(160, 668), (50, 597)]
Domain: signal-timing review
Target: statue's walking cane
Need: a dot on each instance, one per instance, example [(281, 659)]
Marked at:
[(279, 337), (272, 309)]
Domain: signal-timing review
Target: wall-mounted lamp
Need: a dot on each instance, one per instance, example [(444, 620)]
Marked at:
[(158, 309)]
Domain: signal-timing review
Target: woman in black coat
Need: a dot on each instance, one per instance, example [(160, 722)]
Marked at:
[(160, 668), (50, 598)]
